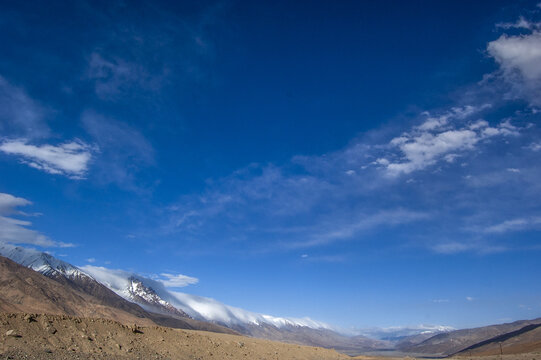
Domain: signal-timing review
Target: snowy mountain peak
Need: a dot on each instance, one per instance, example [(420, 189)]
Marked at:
[(147, 297), (151, 294), (130, 285), (41, 262)]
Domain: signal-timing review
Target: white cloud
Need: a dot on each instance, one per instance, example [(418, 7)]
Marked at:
[(519, 58), (521, 23), (91, 260), (469, 298), (8, 203), (179, 280), (17, 231), (522, 53), (437, 138), (70, 159)]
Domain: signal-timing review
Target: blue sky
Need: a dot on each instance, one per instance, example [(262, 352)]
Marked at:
[(361, 163)]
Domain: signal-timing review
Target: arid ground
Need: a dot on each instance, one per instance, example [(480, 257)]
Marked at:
[(31, 336)]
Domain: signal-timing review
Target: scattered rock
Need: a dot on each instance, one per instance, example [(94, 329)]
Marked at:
[(12, 333), (29, 318)]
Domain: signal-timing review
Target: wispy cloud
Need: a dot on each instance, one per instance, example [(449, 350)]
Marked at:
[(124, 150), (517, 224), (457, 247), (435, 174), (70, 159), (20, 115), (176, 280), (440, 301), (133, 59), (329, 233), (116, 76), (10, 203), (437, 139), (521, 23), (17, 231)]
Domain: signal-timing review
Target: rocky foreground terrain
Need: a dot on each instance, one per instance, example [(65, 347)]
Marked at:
[(27, 336), (40, 337)]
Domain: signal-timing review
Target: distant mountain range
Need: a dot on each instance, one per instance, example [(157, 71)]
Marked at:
[(475, 339), (33, 281), (130, 298)]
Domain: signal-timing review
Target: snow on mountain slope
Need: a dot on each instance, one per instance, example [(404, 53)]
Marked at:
[(399, 332), (198, 307), (149, 293), (40, 262)]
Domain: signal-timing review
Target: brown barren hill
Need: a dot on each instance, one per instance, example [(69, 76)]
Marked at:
[(37, 337), (25, 290), (524, 340), (459, 340)]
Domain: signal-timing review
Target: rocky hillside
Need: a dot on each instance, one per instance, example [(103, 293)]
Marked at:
[(38, 337), (458, 340), (25, 290)]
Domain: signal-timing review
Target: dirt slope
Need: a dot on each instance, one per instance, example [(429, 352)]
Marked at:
[(458, 340), (25, 290), (62, 337), (527, 339)]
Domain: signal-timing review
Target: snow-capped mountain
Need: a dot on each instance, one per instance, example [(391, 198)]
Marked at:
[(126, 290), (126, 284), (149, 300), (41, 262), (55, 268), (395, 333)]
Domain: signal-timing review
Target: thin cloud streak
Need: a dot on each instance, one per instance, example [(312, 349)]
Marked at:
[(70, 159)]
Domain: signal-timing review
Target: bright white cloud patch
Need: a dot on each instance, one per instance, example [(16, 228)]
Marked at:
[(69, 159), (438, 138), (179, 280), (519, 58), (17, 231)]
